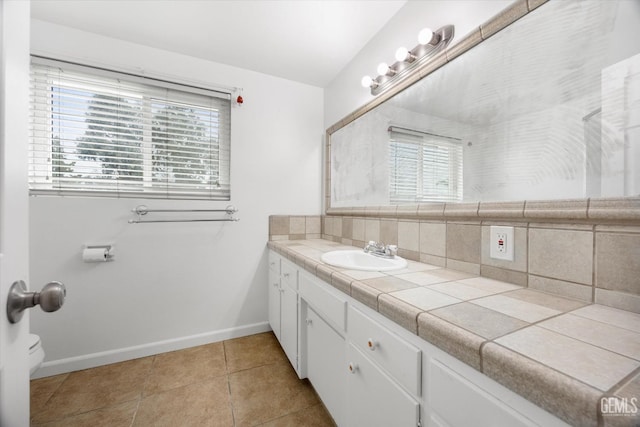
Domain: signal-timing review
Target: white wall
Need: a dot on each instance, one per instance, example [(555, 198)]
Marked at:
[(345, 94), (173, 285)]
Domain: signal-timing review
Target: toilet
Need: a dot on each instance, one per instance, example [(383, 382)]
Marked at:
[(36, 353)]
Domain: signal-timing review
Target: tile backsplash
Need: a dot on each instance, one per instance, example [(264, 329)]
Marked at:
[(589, 262)]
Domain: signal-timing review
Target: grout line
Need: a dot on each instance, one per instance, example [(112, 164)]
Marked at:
[(226, 368), (593, 266), (135, 413)]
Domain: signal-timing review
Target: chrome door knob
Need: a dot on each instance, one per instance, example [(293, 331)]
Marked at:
[(50, 299)]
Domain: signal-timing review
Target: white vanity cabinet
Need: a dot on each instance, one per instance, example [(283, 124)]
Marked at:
[(369, 371), (283, 305)]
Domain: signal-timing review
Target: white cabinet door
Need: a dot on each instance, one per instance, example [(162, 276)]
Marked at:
[(289, 323), (325, 364), (274, 302), (458, 402), (373, 399)]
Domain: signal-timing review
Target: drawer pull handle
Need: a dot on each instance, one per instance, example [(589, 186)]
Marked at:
[(371, 344), (275, 285), (309, 322), (353, 367), (286, 274)]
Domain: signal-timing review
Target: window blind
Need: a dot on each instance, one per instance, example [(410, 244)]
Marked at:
[(102, 133), (423, 167)]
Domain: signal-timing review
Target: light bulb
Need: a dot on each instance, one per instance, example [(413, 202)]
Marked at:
[(383, 68), (402, 53), (425, 35), (366, 81)]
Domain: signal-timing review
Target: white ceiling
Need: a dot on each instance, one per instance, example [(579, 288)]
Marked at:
[(309, 41)]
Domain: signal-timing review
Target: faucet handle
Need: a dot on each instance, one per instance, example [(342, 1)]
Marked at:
[(391, 250)]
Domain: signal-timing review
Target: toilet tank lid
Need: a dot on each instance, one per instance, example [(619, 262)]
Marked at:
[(33, 341)]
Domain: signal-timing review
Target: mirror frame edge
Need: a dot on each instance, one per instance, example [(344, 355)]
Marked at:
[(584, 210)]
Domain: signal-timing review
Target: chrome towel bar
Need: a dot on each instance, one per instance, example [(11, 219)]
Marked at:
[(142, 210)]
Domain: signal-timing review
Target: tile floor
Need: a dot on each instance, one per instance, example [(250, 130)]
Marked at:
[(240, 382)]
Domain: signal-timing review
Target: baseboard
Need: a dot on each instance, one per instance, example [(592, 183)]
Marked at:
[(61, 366)]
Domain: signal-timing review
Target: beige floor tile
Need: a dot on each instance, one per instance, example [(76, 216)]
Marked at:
[(316, 416), (268, 392), (120, 415), (42, 389), (96, 388), (205, 403), (179, 368), (253, 351)]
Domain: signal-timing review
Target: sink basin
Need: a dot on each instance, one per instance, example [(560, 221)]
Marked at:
[(359, 260)]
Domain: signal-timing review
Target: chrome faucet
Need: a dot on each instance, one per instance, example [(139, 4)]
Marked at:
[(380, 249)]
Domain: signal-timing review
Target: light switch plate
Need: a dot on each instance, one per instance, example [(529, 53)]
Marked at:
[(501, 243)]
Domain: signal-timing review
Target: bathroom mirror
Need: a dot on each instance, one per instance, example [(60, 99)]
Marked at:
[(547, 108)]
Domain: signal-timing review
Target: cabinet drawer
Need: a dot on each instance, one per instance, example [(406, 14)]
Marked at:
[(325, 300), (289, 272), (274, 262), (459, 402), (399, 358)]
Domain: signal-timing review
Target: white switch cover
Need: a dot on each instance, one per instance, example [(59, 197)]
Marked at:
[(501, 243)]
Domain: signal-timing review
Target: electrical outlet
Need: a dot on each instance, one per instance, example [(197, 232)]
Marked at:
[(501, 243)]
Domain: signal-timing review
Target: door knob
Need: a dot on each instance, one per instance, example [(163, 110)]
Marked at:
[(50, 298)]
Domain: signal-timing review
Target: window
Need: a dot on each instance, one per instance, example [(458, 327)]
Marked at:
[(424, 167), (101, 133)]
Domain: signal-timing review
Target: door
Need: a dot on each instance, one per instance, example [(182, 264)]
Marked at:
[(14, 248)]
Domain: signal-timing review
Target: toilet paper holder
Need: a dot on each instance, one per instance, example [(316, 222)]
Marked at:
[(107, 252)]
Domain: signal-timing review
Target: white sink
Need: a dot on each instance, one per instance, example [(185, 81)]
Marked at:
[(359, 260)]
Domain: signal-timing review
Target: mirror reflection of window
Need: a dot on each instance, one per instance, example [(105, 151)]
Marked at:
[(424, 167)]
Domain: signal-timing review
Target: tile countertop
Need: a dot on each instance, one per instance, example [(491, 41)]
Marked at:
[(563, 355)]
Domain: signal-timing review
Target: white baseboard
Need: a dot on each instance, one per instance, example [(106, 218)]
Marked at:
[(61, 366)]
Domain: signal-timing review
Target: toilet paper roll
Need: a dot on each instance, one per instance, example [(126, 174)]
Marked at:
[(95, 255)]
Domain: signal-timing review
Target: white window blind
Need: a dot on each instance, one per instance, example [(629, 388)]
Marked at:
[(423, 167), (102, 133)]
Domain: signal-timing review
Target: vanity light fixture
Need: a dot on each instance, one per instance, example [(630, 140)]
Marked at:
[(367, 81), (403, 55), (385, 70), (429, 43)]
